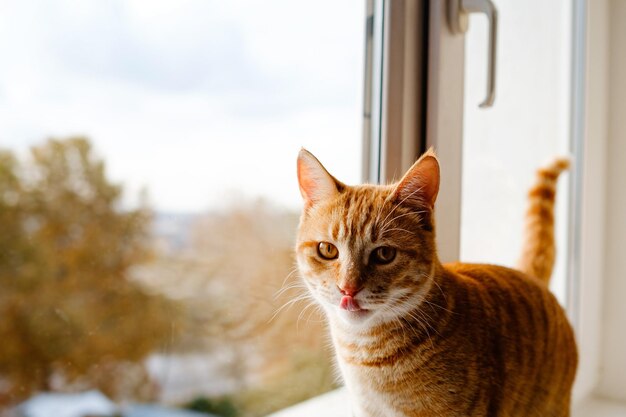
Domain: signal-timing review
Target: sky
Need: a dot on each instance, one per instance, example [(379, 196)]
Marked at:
[(194, 100)]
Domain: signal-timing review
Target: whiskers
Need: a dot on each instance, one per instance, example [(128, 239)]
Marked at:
[(384, 224), (386, 229), (407, 320), (395, 229), (316, 309), (292, 286), (284, 287), (301, 295), (408, 313)]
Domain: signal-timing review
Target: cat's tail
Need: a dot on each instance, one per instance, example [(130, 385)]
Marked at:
[(539, 250)]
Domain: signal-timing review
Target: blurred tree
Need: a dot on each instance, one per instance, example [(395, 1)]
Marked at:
[(260, 309), (234, 275), (67, 307)]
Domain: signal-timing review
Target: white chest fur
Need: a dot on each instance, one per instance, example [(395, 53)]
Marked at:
[(365, 400), (361, 381)]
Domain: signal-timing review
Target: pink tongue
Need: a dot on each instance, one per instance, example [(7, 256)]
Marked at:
[(349, 303)]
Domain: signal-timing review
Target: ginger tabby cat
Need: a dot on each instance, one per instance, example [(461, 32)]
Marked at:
[(415, 337)]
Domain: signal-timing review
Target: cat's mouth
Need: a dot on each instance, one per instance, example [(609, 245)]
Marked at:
[(349, 303), (351, 312)]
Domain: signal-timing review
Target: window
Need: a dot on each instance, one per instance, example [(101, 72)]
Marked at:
[(148, 197), (528, 126), (559, 90)]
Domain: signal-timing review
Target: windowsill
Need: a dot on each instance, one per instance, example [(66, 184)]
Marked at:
[(331, 404), (599, 407), (336, 404)]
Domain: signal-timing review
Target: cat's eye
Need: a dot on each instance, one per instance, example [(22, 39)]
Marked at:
[(327, 250), (383, 255)]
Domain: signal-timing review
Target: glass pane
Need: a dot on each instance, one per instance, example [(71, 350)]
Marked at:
[(527, 127), (148, 197)]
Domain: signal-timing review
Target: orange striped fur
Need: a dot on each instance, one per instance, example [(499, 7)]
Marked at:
[(415, 337), (539, 250)]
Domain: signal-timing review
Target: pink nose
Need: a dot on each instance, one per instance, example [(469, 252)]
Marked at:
[(349, 290)]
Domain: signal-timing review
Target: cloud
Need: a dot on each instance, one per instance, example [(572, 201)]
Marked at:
[(190, 98)]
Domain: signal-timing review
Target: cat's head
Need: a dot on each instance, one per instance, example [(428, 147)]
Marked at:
[(366, 252)]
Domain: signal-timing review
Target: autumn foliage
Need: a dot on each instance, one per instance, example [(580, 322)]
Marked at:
[(87, 291), (70, 316)]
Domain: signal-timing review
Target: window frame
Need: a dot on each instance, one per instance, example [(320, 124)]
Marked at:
[(404, 117), (598, 134)]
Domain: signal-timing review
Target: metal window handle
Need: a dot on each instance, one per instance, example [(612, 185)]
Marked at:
[(458, 19)]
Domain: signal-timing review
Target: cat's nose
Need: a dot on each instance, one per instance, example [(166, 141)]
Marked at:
[(348, 289)]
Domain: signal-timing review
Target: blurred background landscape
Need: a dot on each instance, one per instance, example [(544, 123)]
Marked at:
[(148, 201), (146, 306)]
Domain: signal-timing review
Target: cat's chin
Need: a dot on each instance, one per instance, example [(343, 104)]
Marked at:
[(355, 316)]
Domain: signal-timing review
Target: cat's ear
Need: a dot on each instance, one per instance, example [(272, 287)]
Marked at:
[(316, 184), (420, 184)]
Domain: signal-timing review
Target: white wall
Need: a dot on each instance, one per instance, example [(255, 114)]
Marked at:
[(613, 359)]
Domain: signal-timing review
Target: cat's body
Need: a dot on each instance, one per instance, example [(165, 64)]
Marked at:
[(502, 364), (414, 337)]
